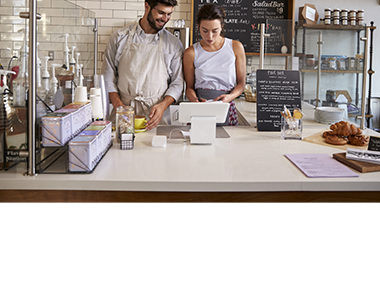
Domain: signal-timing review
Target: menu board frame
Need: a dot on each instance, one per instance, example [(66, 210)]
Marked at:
[(254, 22), (276, 88)]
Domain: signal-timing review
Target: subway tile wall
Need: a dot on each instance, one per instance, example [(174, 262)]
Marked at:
[(58, 17), (113, 15)]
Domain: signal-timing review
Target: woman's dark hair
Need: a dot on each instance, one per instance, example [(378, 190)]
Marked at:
[(153, 3), (211, 12)]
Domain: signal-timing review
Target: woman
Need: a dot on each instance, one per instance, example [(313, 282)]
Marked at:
[(214, 68)]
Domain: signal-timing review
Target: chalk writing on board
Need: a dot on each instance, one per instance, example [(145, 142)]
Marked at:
[(276, 88), (244, 18)]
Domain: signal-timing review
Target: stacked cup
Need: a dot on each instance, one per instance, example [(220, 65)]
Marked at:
[(80, 94), (96, 103)]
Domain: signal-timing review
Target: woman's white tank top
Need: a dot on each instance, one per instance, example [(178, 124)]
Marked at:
[(215, 70)]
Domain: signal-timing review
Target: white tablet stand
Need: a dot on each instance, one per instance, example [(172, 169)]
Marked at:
[(203, 117)]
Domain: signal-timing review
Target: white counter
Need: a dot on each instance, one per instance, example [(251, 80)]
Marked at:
[(248, 161)]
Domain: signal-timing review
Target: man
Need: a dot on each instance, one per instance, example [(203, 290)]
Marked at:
[(143, 63)]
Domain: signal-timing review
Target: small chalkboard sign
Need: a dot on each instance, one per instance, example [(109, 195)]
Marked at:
[(374, 143), (276, 88)]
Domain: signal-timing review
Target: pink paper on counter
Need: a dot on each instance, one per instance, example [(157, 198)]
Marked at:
[(320, 165)]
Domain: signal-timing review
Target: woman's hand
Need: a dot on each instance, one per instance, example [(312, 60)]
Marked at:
[(198, 100), (226, 98)]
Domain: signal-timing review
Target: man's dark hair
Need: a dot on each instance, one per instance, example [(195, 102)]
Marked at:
[(153, 3)]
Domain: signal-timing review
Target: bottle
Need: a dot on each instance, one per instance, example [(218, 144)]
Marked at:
[(20, 83), (6, 112), (41, 93), (75, 83), (72, 60), (45, 74), (66, 52), (53, 88), (77, 65)]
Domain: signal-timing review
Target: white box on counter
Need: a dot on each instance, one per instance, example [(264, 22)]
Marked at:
[(59, 127), (56, 129), (82, 154), (89, 146)]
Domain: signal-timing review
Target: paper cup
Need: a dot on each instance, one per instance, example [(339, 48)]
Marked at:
[(95, 91), (97, 107), (80, 94)]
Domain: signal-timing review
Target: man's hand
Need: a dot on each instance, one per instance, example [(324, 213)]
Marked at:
[(157, 111), (155, 116), (115, 100)]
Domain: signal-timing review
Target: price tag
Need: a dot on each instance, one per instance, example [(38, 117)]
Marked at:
[(374, 143)]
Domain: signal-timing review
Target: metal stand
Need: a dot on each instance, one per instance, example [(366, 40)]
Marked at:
[(364, 82), (95, 30), (370, 73), (263, 35), (319, 43)]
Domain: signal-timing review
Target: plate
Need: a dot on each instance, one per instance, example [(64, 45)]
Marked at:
[(140, 130)]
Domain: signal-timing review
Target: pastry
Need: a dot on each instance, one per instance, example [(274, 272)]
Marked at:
[(327, 133), (358, 140), (344, 128), (343, 132), (335, 140)]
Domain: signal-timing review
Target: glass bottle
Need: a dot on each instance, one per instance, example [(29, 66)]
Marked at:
[(125, 120)]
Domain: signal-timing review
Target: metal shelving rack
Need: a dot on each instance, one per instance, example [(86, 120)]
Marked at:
[(305, 27), (368, 40)]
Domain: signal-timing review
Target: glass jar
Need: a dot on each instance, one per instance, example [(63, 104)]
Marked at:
[(344, 13), (310, 61), (125, 120), (336, 13), (352, 14), (360, 14)]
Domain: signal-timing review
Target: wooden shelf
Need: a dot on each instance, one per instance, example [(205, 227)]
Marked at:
[(268, 54), (330, 27), (331, 71)]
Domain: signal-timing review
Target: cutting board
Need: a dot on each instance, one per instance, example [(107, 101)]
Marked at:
[(318, 139), (361, 166)]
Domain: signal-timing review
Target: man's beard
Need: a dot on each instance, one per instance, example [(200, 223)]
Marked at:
[(152, 23)]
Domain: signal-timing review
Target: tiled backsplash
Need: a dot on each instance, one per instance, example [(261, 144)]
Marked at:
[(58, 17)]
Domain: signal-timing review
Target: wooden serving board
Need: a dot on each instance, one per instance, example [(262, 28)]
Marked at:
[(318, 139), (361, 166)]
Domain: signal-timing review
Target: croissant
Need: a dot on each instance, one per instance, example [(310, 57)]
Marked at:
[(335, 140), (343, 128), (343, 132), (358, 140)]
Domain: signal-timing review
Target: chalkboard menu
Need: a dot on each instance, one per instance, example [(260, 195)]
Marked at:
[(276, 88), (374, 143), (244, 18)]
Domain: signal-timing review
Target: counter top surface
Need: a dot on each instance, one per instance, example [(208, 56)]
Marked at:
[(248, 161)]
